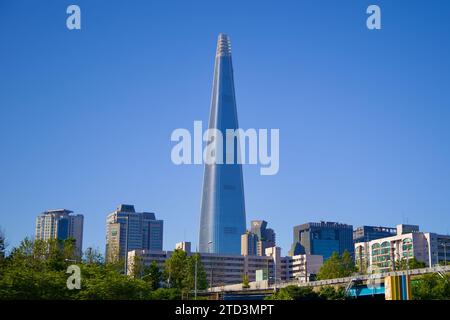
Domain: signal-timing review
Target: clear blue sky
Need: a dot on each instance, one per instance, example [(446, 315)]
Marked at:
[(364, 116)]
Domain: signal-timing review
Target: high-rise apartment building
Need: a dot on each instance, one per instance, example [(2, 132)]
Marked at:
[(222, 219), (128, 230), (322, 238), (61, 224)]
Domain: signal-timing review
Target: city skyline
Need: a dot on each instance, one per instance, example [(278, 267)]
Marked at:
[(363, 130)]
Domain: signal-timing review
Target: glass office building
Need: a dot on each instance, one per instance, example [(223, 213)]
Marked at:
[(128, 230), (222, 219), (322, 238), (369, 233)]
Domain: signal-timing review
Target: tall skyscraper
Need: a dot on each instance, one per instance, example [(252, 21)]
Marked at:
[(222, 219), (128, 230), (322, 238), (60, 224)]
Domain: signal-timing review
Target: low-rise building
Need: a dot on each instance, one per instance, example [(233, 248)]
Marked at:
[(224, 269), (305, 266)]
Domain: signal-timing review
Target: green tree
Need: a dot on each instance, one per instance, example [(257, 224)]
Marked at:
[(2, 245), (152, 275), (405, 264), (294, 293), (166, 294), (175, 269), (348, 264), (179, 270), (104, 282), (36, 270), (431, 287), (245, 282), (337, 267), (330, 293), (189, 274), (93, 256)]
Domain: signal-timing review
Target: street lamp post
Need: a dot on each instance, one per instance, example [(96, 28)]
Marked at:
[(444, 244), (168, 280), (70, 260), (211, 266), (195, 273), (275, 273), (306, 270), (126, 246)]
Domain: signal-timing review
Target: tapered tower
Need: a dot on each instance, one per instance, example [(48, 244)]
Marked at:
[(222, 219)]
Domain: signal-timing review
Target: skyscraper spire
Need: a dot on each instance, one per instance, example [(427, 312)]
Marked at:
[(223, 45), (222, 219)]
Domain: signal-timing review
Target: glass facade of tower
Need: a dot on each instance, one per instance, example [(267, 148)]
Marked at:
[(322, 238), (369, 233), (222, 219)]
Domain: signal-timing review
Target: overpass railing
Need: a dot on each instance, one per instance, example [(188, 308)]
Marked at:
[(346, 280)]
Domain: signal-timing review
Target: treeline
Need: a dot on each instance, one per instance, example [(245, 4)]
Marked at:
[(306, 293), (37, 269)]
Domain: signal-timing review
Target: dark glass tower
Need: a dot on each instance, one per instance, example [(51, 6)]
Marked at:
[(222, 219), (322, 238)]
